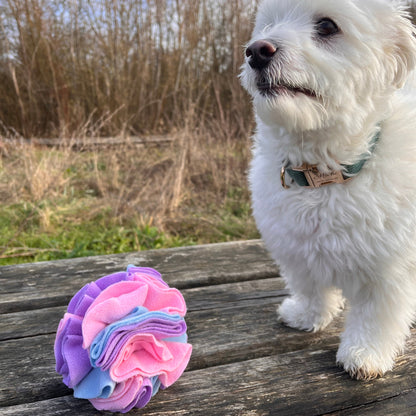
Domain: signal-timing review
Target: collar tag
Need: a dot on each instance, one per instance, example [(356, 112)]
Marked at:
[(309, 176), (317, 179)]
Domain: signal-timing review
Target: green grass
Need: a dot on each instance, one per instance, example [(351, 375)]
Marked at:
[(24, 237), (76, 228), (62, 203)]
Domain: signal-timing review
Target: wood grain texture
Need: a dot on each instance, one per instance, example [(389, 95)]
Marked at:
[(47, 284), (242, 330), (244, 362), (403, 404), (298, 383), (44, 321)]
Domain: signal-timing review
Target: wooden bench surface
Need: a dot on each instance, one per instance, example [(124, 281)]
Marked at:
[(244, 361)]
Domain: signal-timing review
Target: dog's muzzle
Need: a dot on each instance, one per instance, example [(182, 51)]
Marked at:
[(260, 54)]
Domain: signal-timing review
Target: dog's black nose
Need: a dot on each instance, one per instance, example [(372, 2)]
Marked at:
[(260, 53)]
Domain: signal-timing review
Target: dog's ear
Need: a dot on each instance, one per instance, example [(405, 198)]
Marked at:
[(403, 54)]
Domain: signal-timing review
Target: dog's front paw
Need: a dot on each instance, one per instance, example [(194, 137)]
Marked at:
[(301, 314), (363, 363)]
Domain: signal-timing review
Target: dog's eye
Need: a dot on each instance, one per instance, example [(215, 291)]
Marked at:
[(326, 27)]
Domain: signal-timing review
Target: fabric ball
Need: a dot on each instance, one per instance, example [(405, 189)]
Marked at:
[(122, 339)]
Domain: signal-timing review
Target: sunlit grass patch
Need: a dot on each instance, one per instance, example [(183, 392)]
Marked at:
[(62, 203), (36, 233)]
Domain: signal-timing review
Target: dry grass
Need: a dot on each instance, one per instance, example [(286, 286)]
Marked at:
[(191, 191), (147, 63), (76, 69)]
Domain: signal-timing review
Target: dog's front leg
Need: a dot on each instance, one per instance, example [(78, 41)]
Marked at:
[(376, 329), (311, 308)]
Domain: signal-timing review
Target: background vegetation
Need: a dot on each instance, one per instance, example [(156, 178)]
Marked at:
[(76, 69), (147, 64), (85, 68)]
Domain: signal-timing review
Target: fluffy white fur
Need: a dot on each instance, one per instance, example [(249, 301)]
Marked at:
[(355, 240)]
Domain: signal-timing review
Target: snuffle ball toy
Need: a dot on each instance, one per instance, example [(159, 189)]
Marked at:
[(122, 339)]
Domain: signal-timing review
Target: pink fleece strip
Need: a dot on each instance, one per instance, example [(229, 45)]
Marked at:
[(118, 300), (114, 303), (144, 355)]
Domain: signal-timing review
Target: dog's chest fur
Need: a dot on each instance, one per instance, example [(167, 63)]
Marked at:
[(339, 231)]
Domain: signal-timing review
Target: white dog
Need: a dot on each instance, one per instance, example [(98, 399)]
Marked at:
[(333, 177)]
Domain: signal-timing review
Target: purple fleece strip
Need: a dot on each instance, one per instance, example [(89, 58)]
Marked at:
[(72, 361), (86, 296), (143, 396), (108, 343), (131, 270)]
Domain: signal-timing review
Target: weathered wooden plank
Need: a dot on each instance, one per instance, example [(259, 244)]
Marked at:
[(300, 383), (62, 406), (218, 337), (48, 284), (27, 368), (292, 384), (244, 362), (44, 321), (238, 334), (30, 323), (402, 405), (92, 142)]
